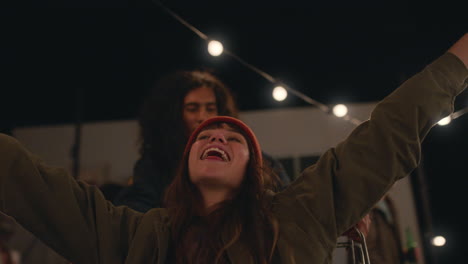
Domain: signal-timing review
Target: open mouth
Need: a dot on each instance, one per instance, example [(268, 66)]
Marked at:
[(214, 153)]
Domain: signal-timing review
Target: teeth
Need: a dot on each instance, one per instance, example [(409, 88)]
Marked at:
[(220, 151)]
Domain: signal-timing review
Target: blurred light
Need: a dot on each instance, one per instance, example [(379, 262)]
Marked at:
[(438, 241), (279, 93), (445, 121), (215, 48), (340, 110)]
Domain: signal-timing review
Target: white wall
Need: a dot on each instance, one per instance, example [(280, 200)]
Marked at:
[(282, 133), (301, 131), (108, 148)]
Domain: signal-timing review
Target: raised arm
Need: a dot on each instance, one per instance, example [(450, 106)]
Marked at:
[(349, 179), (460, 49), (71, 217)]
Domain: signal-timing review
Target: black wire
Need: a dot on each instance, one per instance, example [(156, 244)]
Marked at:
[(307, 99)]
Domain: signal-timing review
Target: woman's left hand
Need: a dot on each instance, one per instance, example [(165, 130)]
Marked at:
[(363, 225)]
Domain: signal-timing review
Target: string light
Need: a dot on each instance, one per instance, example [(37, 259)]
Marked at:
[(279, 93), (445, 121), (340, 110), (438, 241), (215, 48)]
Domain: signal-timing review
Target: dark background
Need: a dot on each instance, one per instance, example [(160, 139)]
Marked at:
[(110, 52)]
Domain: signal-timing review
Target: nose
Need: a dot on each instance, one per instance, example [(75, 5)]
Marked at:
[(218, 137), (202, 116)]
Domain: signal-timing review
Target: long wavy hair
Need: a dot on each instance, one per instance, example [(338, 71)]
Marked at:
[(245, 218), (162, 127)]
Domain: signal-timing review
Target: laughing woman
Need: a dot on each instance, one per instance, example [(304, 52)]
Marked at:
[(217, 208)]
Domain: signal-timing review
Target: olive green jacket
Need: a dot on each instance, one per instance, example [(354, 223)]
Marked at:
[(330, 196)]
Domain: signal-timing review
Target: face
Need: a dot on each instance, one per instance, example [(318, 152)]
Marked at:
[(218, 159), (199, 105)]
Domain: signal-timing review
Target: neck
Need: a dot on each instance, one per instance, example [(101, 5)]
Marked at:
[(212, 197)]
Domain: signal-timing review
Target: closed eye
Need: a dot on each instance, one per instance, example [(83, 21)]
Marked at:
[(191, 109), (201, 137), (234, 139)]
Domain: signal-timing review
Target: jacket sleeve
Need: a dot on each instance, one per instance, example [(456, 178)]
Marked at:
[(349, 179), (71, 217)]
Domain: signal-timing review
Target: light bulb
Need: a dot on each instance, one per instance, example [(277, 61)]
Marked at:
[(340, 110), (215, 48), (445, 121), (279, 93), (438, 241)]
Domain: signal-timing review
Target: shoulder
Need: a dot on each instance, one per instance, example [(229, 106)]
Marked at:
[(8, 142), (268, 157), (10, 148), (158, 214)]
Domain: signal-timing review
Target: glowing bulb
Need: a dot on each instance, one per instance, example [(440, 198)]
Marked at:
[(340, 110), (438, 241), (215, 48), (445, 121), (279, 93)]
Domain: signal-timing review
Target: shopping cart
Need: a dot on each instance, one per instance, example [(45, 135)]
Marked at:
[(357, 248)]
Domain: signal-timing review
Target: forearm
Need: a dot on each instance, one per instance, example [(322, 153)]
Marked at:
[(460, 49), (37, 197), (388, 146), (349, 179), (72, 218)]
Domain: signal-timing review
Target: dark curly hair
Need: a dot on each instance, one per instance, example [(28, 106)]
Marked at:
[(162, 128)]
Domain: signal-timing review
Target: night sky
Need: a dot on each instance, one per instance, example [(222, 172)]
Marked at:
[(331, 52)]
